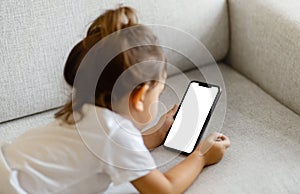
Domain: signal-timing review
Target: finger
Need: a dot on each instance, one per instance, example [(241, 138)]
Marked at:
[(221, 137), (225, 141), (214, 136), (173, 110), (175, 107)]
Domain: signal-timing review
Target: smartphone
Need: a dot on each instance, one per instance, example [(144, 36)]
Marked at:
[(192, 117)]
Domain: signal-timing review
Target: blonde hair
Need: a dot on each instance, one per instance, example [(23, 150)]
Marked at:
[(109, 22)]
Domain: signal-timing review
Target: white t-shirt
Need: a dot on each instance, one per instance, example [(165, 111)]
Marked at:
[(102, 148)]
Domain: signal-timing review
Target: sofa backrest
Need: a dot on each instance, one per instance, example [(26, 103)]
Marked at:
[(265, 46), (37, 36)]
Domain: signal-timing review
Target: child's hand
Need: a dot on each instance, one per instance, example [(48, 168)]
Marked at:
[(165, 122), (155, 136), (213, 148)]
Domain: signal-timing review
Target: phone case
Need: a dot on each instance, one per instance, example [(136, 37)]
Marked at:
[(206, 120)]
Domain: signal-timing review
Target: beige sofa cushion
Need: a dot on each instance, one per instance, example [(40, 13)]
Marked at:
[(265, 141), (265, 45), (13, 129), (36, 37)]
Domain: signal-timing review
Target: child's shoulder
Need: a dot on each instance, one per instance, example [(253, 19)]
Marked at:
[(103, 122)]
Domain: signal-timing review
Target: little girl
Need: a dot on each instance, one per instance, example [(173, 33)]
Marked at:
[(96, 138)]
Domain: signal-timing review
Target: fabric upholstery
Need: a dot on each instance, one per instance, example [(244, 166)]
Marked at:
[(13, 129), (36, 37), (265, 44), (265, 143), (265, 140)]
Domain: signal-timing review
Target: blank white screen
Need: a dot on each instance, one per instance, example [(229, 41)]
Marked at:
[(191, 117)]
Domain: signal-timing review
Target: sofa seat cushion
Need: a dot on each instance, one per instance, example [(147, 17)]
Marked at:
[(265, 136), (12, 129), (265, 140)]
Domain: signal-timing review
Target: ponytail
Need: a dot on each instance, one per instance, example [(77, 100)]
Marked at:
[(113, 21)]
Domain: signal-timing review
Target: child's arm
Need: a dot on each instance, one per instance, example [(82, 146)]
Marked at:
[(176, 180), (155, 136), (181, 176)]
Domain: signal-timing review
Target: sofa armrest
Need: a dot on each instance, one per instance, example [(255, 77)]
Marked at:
[(265, 45)]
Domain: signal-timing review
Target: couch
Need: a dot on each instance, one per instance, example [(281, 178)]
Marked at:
[(252, 52)]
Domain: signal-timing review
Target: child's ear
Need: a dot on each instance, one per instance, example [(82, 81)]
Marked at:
[(139, 97)]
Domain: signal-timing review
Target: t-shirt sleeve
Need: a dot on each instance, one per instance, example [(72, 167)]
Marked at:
[(127, 156)]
